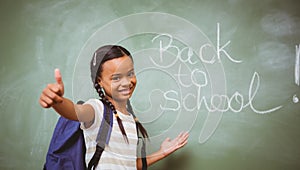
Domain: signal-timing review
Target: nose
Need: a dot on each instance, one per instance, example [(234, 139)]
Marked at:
[(125, 82)]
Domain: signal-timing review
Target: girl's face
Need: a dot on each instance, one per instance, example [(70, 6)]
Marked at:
[(118, 78)]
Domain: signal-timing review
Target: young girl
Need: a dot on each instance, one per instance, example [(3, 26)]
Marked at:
[(112, 73)]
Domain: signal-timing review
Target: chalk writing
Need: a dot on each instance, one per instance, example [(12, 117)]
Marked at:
[(297, 65), (297, 71), (295, 99), (219, 50), (166, 46), (214, 104), (217, 102)]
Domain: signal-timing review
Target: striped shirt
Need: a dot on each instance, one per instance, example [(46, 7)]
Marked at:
[(117, 154)]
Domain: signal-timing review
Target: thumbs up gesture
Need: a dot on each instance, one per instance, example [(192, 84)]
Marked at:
[(53, 93)]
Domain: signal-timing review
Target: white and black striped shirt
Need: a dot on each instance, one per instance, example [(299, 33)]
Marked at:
[(117, 154)]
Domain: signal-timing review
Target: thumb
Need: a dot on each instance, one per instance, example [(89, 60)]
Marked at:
[(59, 81), (167, 139), (58, 77)]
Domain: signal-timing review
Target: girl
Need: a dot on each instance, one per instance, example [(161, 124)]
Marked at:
[(112, 73)]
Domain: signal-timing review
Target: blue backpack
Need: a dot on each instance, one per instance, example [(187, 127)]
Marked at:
[(67, 147)]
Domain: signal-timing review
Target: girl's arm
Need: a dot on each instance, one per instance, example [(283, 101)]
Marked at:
[(52, 96), (166, 148)]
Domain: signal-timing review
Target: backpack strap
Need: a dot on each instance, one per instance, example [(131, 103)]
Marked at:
[(143, 151), (103, 135), (105, 127), (143, 148)]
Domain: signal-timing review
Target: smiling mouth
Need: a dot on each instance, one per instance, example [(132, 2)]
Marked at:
[(125, 91)]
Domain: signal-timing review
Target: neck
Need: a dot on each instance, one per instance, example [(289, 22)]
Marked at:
[(119, 105)]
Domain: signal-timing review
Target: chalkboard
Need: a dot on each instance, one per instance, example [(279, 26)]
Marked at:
[(226, 71)]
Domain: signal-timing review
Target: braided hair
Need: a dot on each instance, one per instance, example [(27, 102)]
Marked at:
[(102, 55)]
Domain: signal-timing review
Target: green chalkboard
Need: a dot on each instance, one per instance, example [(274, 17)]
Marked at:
[(226, 71)]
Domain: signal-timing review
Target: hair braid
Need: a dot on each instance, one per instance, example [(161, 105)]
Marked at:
[(112, 107), (138, 124), (96, 157)]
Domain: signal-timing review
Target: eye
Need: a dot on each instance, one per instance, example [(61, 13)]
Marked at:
[(131, 74), (115, 78)]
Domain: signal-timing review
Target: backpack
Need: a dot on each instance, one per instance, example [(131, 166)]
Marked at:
[(67, 147)]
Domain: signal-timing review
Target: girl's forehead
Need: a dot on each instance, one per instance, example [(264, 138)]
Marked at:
[(118, 64)]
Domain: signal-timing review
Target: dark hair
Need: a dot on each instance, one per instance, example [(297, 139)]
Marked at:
[(102, 55)]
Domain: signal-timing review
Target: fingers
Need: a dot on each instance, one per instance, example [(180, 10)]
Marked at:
[(182, 136), (53, 93), (50, 96), (169, 146), (181, 139)]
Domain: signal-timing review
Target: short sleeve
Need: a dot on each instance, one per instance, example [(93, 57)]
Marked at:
[(98, 108)]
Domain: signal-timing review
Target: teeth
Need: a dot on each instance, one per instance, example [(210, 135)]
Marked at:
[(125, 91)]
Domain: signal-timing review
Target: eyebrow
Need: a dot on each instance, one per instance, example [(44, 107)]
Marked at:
[(119, 74)]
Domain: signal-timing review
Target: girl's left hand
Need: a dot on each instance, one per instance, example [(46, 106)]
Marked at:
[(169, 146)]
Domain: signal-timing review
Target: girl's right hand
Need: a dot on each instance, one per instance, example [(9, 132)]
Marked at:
[(53, 93)]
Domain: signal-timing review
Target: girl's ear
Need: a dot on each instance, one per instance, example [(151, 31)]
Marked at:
[(99, 81)]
